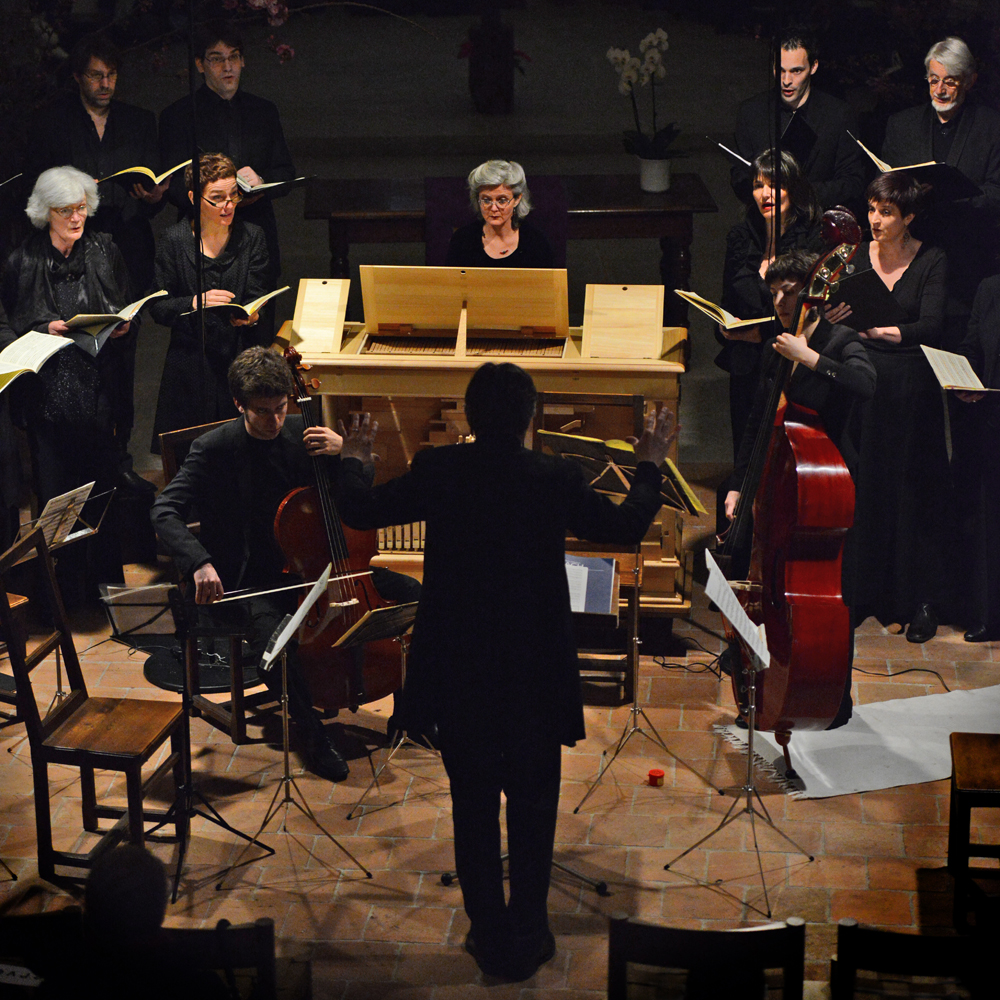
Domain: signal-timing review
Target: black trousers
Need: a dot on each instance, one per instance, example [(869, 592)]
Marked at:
[(486, 753)]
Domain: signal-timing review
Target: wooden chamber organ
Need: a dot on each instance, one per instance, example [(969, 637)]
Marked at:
[(427, 329)]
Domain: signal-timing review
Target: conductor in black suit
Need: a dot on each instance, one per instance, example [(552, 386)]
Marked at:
[(814, 129), (493, 658), (954, 128), (232, 121)]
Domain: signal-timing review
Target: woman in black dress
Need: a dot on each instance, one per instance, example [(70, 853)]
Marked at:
[(70, 411), (903, 476), (194, 389), (499, 236), (750, 247)]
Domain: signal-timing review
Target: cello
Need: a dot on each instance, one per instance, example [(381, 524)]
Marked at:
[(798, 496), (311, 536)]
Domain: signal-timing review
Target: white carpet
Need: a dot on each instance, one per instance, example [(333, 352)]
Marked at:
[(890, 743)]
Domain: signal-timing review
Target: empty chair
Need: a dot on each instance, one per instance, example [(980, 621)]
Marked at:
[(718, 963), (112, 734), (892, 955)]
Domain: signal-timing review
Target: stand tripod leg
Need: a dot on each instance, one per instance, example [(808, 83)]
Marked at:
[(402, 743)]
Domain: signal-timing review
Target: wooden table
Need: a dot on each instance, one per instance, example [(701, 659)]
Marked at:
[(601, 207)]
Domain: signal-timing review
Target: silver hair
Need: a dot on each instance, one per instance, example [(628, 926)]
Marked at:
[(492, 174), (954, 55), (58, 187)]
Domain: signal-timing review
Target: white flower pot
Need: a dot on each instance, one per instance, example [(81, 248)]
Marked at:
[(654, 175)]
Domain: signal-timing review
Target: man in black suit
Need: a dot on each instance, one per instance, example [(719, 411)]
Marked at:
[(99, 135), (232, 121), (814, 129), (954, 128), (235, 477), (493, 659), (982, 347)]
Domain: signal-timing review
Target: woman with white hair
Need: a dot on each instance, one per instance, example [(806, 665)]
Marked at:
[(499, 235), (69, 411)]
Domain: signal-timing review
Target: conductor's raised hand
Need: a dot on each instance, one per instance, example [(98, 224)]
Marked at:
[(359, 439), (659, 434)]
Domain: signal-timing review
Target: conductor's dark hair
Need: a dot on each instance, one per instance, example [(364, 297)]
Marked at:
[(126, 896), (900, 188), (500, 401), (212, 32), (94, 46), (258, 373), (800, 192), (796, 265), (801, 38)]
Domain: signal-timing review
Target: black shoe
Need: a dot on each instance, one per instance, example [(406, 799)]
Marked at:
[(923, 625), (132, 482), (325, 760), (982, 633), (511, 967)]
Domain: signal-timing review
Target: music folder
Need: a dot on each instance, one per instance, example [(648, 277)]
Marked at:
[(380, 623), (872, 304)]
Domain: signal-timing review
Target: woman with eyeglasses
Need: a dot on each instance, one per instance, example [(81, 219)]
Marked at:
[(59, 271), (194, 389), (499, 236)]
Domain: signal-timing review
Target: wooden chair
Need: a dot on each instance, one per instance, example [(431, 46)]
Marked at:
[(226, 949), (718, 963), (113, 734), (975, 783), (894, 954), (229, 716), (8, 689)]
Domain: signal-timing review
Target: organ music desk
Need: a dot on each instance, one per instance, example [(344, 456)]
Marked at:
[(427, 329)]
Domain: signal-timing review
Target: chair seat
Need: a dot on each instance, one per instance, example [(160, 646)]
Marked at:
[(116, 727), (976, 762)]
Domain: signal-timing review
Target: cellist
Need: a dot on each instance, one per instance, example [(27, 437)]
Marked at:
[(831, 375), (235, 477)]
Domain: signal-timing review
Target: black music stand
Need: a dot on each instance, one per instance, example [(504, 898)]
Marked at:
[(283, 797), (752, 665)]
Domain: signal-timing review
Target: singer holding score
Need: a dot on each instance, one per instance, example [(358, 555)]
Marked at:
[(194, 388)]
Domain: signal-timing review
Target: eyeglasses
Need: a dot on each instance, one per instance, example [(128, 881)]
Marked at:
[(950, 82), (214, 59), (233, 199), (96, 77), (70, 210), (502, 202)]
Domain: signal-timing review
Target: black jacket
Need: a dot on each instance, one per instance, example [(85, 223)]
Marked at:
[(829, 157), (967, 229), (248, 130), (65, 134), (494, 624)]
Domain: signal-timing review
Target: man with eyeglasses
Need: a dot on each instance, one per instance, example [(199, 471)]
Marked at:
[(232, 121), (92, 131), (955, 128), (814, 124)]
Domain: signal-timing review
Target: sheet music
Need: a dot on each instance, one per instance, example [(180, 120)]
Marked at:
[(953, 371), (59, 515), (298, 618), (576, 574), (718, 590)]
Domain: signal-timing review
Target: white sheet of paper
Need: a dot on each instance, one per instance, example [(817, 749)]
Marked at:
[(299, 617), (953, 371), (718, 590), (577, 577), (60, 515), (31, 350)]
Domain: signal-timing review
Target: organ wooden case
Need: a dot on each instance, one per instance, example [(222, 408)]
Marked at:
[(426, 329)]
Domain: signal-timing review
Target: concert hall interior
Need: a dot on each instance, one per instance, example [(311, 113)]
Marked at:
[(369, 97)]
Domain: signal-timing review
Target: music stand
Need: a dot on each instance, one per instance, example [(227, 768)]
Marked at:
[(283, 798), (753, 663), (612, 470)]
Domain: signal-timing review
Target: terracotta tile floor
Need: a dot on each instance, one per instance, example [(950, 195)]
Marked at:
[(879, 855)]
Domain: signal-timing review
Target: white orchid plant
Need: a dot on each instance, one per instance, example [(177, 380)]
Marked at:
[(644, 70)]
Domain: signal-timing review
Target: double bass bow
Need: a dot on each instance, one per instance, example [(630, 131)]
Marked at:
[(311, 536), (798, 498)]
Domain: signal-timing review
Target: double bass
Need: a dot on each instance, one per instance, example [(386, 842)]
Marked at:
[(312, 536), (798, 497)]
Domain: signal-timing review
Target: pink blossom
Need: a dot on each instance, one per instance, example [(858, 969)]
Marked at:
[(285, 53)]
